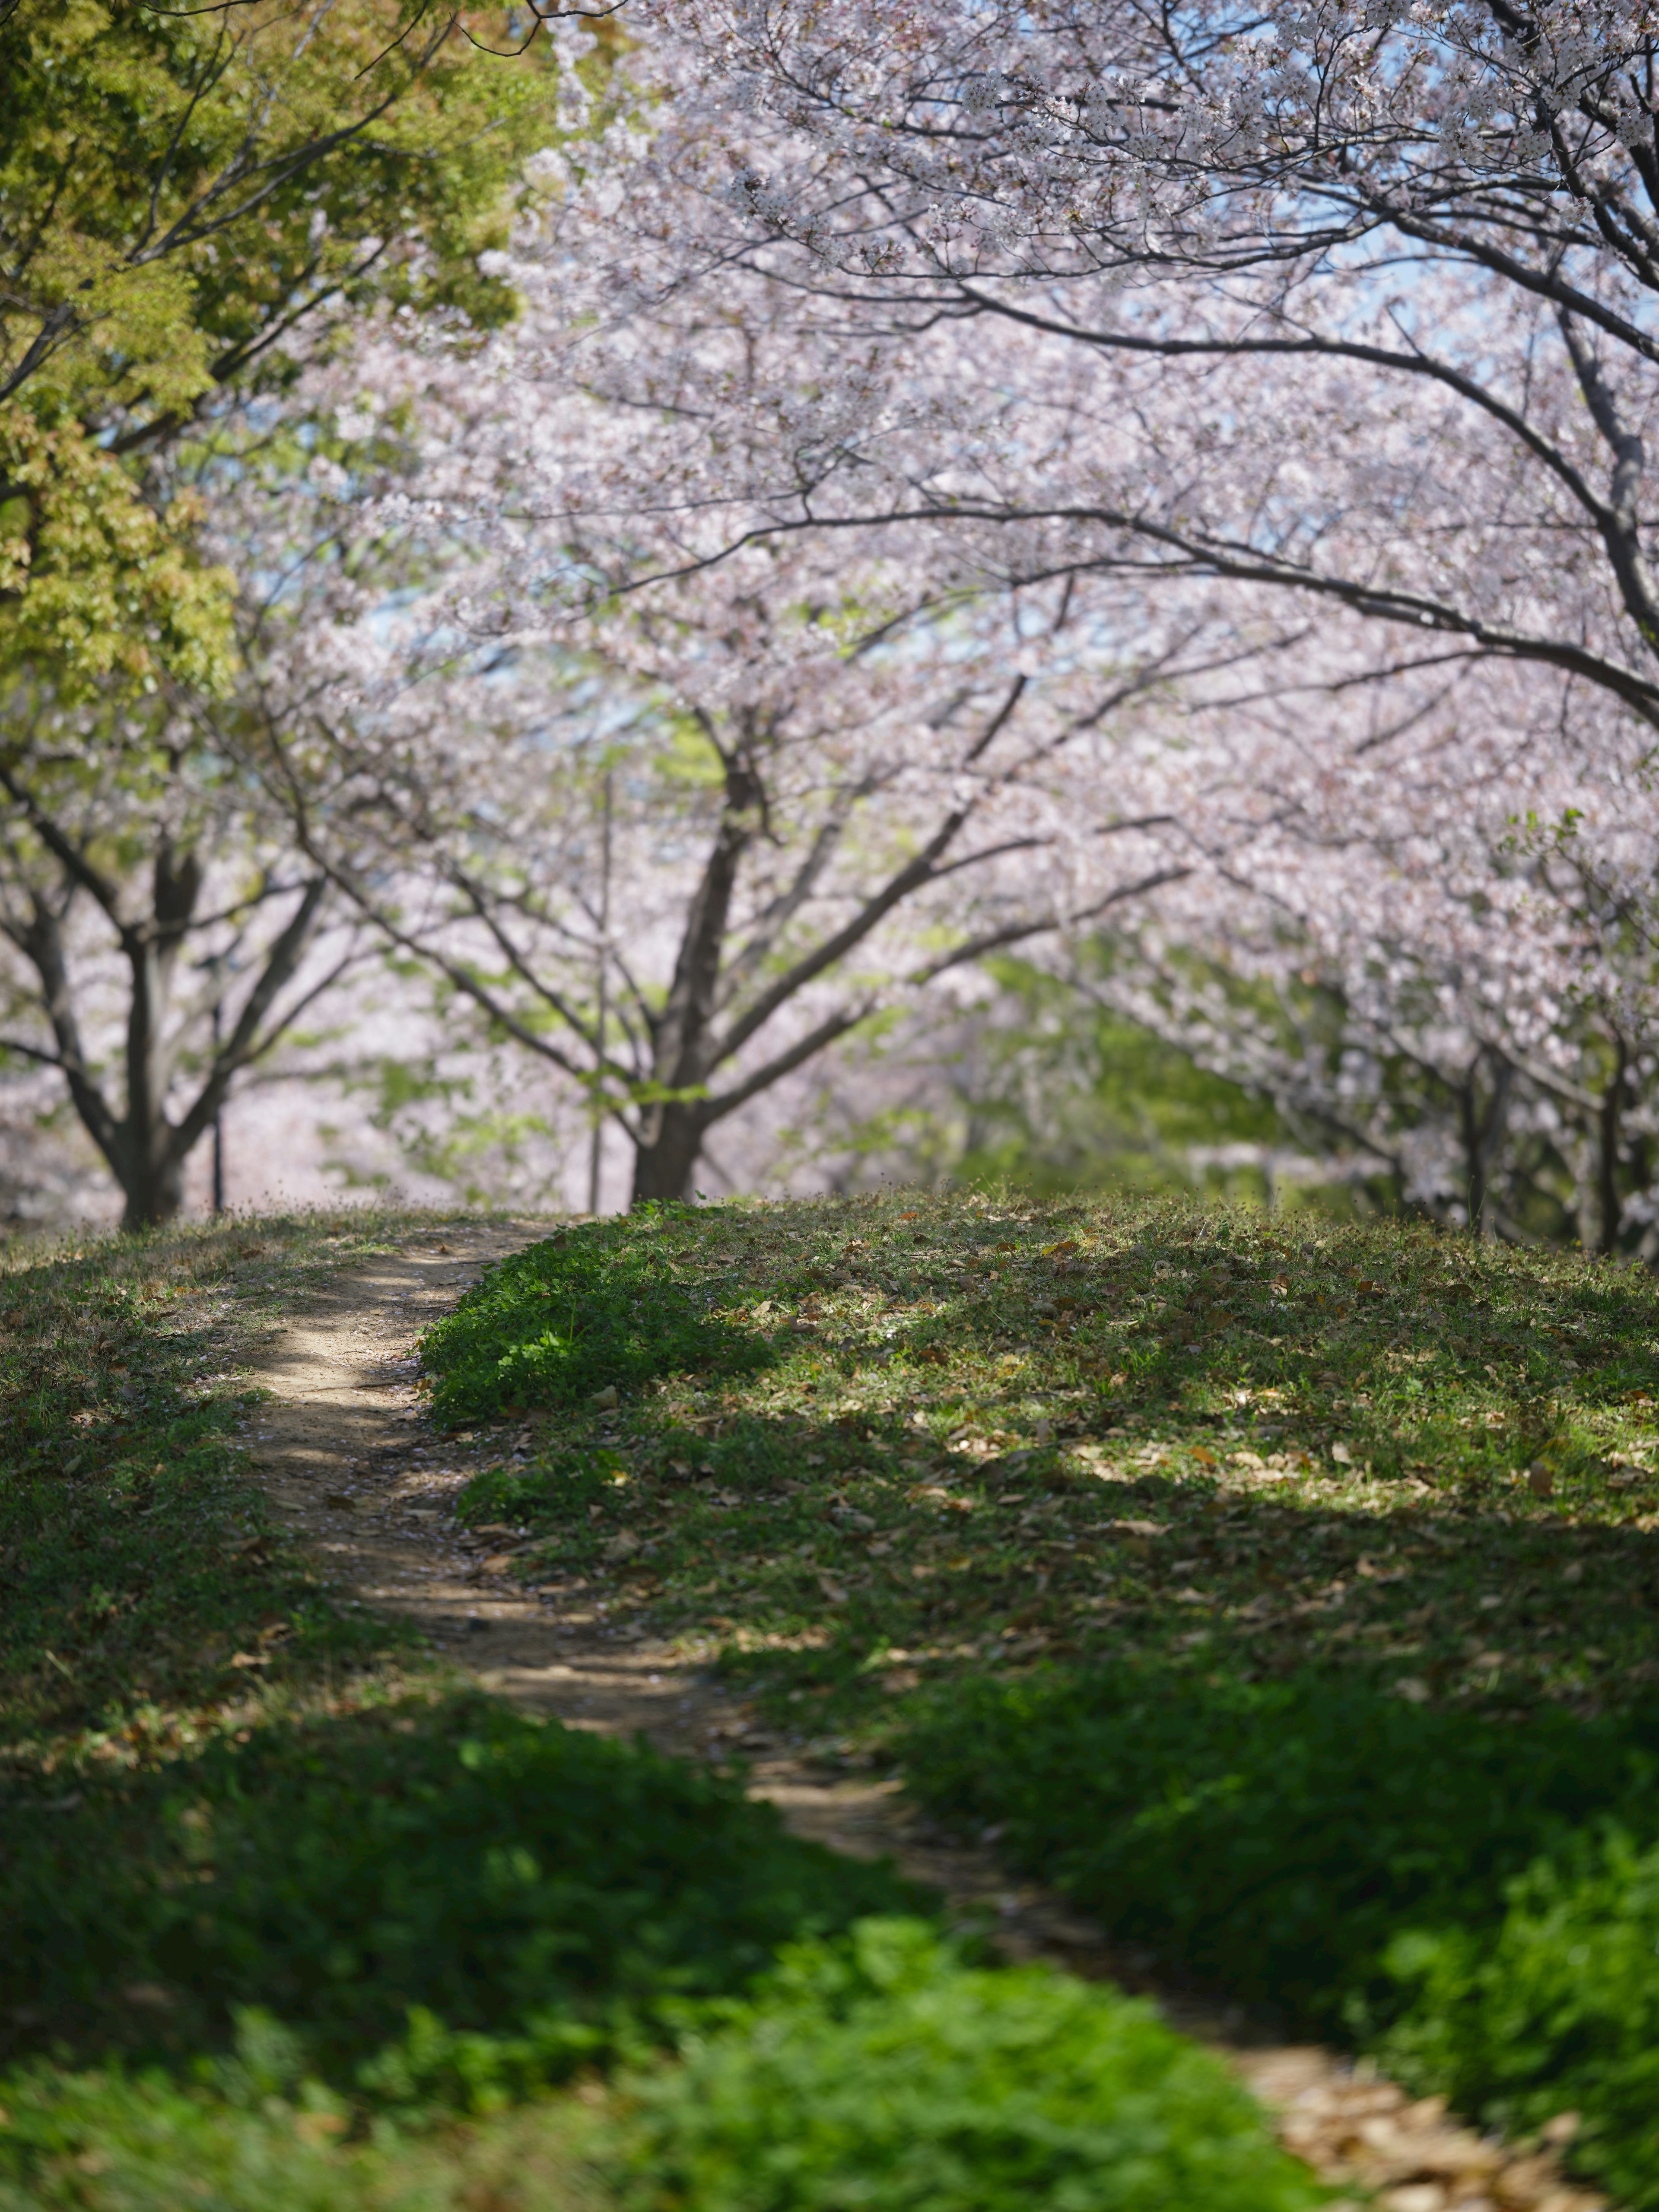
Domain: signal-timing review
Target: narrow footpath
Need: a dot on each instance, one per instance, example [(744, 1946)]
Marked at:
[(347, 1461)]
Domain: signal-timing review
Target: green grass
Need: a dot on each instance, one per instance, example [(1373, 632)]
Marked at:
[(1289, 1591), (940, 1434)]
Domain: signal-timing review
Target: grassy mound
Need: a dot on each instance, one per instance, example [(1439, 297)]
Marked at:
[(1057, 1431), (1356, 1522), (887, 2074), (1290, 1587)]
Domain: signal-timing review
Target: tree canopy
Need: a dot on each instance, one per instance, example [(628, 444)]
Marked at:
[(188, 203)]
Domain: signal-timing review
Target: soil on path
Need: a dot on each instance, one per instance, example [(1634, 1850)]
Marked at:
[(346, 1460)]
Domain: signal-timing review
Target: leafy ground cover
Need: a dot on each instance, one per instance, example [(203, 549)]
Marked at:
[(878, 2069), (1477, 1901), (1211, 1485), (290, 1920), (443, 1902), (579, 1313), (886, 2073)]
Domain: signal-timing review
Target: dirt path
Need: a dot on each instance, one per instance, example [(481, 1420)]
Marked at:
[(346, 1460)]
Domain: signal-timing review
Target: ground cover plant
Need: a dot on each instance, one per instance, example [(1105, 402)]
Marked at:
[(1479, 1902), (885, 2072), (879, 2068), (1387, 1490), (442, 1901), (580, 1312)]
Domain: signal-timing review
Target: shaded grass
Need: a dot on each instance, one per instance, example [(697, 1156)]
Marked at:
[(1274, 1837), (1478, 1902), (447, 1903)]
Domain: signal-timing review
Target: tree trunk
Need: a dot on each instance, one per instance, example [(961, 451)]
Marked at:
[(1609, 1205), (154, 1195), (663, 1169), (1483, 1133)]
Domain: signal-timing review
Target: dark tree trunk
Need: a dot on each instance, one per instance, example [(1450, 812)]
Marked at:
[(1483, 1133), (154, 1195), (1610, 1205), (662, 1168)]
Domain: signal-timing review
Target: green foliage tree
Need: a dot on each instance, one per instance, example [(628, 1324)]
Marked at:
[(187, 201), (1043, 1086)]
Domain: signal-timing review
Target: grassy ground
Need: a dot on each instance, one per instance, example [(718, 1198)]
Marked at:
[(290, 1920), (151, 1602)]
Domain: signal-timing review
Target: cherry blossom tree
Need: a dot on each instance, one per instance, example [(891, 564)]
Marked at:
[(1358, 309), (1420, 244), (1434, 943), (680, 847), (160, 935), (720, 367)]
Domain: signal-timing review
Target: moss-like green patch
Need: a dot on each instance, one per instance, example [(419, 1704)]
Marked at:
[(585, 1310)]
